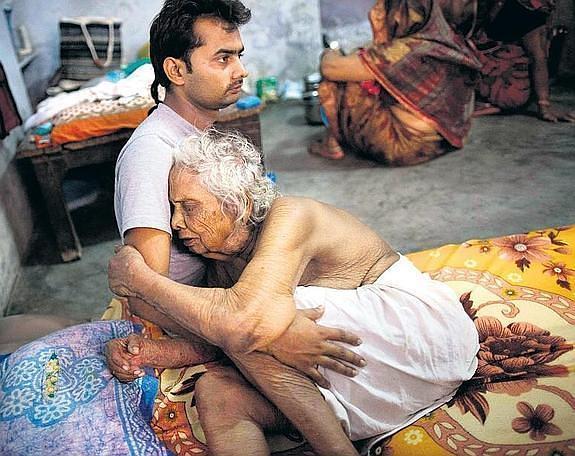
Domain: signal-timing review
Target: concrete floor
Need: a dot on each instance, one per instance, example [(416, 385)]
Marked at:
[(515, 174)]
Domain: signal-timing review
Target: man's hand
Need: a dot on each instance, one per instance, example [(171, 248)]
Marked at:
[(122, 269), (306, 345)]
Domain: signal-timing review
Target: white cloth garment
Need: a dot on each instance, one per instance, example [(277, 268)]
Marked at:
[(418, 342)]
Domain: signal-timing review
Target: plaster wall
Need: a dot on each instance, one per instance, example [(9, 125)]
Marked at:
[(283, 38), (15, 214)]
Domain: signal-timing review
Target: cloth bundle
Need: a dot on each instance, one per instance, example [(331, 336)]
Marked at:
[(89, 46)]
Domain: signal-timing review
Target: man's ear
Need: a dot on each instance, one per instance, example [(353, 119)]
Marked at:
[(175, 70)]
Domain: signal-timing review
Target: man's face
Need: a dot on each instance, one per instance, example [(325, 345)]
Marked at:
[(198, 218), (217, 73)]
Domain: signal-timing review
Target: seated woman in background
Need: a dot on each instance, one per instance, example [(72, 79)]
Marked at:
[(271, 256), (406, 98), (513, 40)]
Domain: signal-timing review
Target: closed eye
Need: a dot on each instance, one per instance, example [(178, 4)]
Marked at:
[(188, 207)]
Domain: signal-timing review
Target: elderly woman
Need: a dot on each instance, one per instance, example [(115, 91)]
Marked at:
[(272, 255)]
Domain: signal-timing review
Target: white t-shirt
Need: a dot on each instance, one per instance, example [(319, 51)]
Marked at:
[(141, 185)]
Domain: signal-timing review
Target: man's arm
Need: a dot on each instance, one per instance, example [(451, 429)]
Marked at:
[(337, 67), (154, 246)]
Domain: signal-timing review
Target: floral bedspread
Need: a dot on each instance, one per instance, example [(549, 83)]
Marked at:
[(519, 290)]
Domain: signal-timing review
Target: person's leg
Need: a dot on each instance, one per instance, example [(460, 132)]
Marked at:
[(328, 147), (234, 415), (17, 330), (298, 398)]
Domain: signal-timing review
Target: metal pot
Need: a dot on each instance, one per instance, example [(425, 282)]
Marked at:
[(311, 99)]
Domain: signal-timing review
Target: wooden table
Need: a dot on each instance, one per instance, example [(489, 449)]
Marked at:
[(51, 164)]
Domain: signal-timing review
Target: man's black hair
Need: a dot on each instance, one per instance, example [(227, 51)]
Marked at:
[(172, 31)]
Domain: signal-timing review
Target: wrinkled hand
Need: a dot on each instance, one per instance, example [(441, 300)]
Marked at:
[(122, 269), (550, 113), (123, 358), (306, 345)]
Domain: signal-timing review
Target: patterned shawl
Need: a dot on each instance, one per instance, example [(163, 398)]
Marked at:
[(424, 64)]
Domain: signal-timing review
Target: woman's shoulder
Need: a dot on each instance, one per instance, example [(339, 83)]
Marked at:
[(290, 219), (297, 203), (296, 209)]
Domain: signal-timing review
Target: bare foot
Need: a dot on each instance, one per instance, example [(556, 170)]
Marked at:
[(327, 148), (485, 109)]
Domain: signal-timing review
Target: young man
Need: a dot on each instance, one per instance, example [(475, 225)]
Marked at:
[(195, 48)]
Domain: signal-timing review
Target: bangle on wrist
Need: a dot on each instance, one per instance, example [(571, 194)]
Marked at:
[(544, 103)]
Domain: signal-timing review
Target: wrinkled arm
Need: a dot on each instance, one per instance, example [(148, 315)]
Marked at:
[(206, 312), (249, 315)]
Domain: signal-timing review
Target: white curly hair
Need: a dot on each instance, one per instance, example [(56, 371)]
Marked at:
[(230, 168)]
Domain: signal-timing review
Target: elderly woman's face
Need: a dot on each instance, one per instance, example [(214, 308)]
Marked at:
[(199, 220)]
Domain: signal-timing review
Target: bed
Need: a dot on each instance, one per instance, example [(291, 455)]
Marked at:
[(518, 289)]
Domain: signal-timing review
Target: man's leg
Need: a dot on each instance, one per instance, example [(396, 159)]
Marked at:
[(297, 397), (234, 415)]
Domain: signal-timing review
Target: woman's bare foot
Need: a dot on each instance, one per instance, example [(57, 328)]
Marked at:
[(485, 109), (327, 148), (128, 356)]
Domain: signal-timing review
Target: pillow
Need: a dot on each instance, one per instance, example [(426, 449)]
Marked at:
[(57, 396)]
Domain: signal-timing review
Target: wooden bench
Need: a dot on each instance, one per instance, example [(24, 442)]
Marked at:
[(51, 164)]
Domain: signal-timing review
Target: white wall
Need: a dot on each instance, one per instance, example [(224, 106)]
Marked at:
[(41, 19), (9, 261), (346, 22), (10, 258), (282, 39)]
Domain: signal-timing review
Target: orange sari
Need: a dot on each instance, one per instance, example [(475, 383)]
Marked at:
[(420, 101)]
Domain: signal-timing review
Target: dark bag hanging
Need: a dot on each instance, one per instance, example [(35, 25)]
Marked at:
[(9, 116), (89, 46)]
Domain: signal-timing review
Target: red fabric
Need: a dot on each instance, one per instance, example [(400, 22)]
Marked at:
[(424, 64), (505, 79), (10, 117)]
